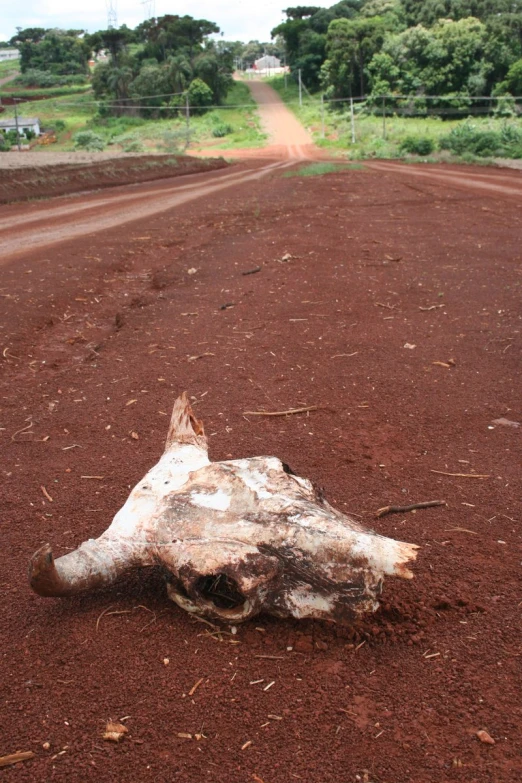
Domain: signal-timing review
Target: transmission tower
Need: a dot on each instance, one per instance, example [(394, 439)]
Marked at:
[(112, 14), (149, 7)]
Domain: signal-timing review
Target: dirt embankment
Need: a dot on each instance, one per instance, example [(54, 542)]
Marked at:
[(57, 177)]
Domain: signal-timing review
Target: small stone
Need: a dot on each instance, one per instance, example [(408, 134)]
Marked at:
[(114, 732), (485, 737), (46, 745), (166, 661)]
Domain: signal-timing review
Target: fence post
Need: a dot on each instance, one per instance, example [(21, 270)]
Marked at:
[(384, 116), (17, 128), (322, 116), (300, 89), (352, 120), (187, 119)]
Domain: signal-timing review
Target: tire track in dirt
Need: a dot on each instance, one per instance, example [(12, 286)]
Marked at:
[(47, 211), (109, 213), (484, 182)]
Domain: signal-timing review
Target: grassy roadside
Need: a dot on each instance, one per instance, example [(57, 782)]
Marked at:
[(9, 67), (373, 138), (237, 119)]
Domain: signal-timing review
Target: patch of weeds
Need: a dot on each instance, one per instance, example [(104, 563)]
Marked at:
[(318, 169), (417, 145)]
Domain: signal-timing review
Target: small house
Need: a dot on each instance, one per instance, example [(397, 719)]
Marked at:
[(23, 123), (9, 54), (268, 62)]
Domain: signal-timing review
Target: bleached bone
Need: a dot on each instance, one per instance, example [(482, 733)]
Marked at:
[(236, 538)]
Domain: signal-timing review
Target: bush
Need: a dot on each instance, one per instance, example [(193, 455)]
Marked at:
[(417, 145), (221, 129), (89, 141), (467, 138), (133, 146)]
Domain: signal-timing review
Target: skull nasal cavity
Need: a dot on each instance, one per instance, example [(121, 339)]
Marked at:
[(221, 590)]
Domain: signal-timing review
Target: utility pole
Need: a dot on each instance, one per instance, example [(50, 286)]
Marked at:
[(384, 116), (300, 89), (17, 128), (352, 120), (322, 116)]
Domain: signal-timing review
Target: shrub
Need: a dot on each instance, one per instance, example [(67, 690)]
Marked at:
[(133, 146), (221, 129), (417, 145), (88, 140), (467, 138)]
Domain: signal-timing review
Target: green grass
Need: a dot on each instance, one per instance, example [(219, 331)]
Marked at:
[(317, 169), (11, 90), (9, 67), (135, 134), (373, 139)]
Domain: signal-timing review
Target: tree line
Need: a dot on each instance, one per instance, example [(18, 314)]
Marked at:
[(164, 61), (361, 48)]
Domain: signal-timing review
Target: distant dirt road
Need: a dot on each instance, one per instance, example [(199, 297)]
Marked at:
[(283, 128)]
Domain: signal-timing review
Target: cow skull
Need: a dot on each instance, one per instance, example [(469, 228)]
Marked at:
[(236, 538)]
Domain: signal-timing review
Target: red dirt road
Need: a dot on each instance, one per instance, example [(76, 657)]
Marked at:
[(52, 222), (391, 300)]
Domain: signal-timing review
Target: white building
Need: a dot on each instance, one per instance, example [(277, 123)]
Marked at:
[(268, 62), (24, 123), (9, 54)]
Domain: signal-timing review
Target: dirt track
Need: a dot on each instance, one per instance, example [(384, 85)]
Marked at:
[(391, 299)]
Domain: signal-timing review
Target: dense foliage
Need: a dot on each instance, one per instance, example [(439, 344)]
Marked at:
[(162, 64), (436, 47), (59, 52)]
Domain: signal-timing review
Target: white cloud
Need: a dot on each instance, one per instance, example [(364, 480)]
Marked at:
[(238, 19)]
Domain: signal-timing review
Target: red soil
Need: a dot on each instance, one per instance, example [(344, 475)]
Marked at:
[(99, 335), (49, 178)]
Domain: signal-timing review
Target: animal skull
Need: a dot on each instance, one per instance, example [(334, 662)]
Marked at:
[(236, 538)]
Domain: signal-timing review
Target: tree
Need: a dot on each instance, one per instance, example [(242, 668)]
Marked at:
[(53, 50), (447, 58), (119, 81), (215, 71), (27, 35), (114, 40), (199, 96), (513, 80), (351, 44), (170, 34)]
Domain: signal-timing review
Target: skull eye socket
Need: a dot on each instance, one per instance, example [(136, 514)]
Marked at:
[(220, 590)]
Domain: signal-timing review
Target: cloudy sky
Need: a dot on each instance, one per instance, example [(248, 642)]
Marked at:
[(239, 20)]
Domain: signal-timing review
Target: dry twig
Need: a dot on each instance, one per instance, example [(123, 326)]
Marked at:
[(15, 758), (289, 412), (403, 509), (194, 688), (23, 430), (46, 494), (460, 530), (461, 475)]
